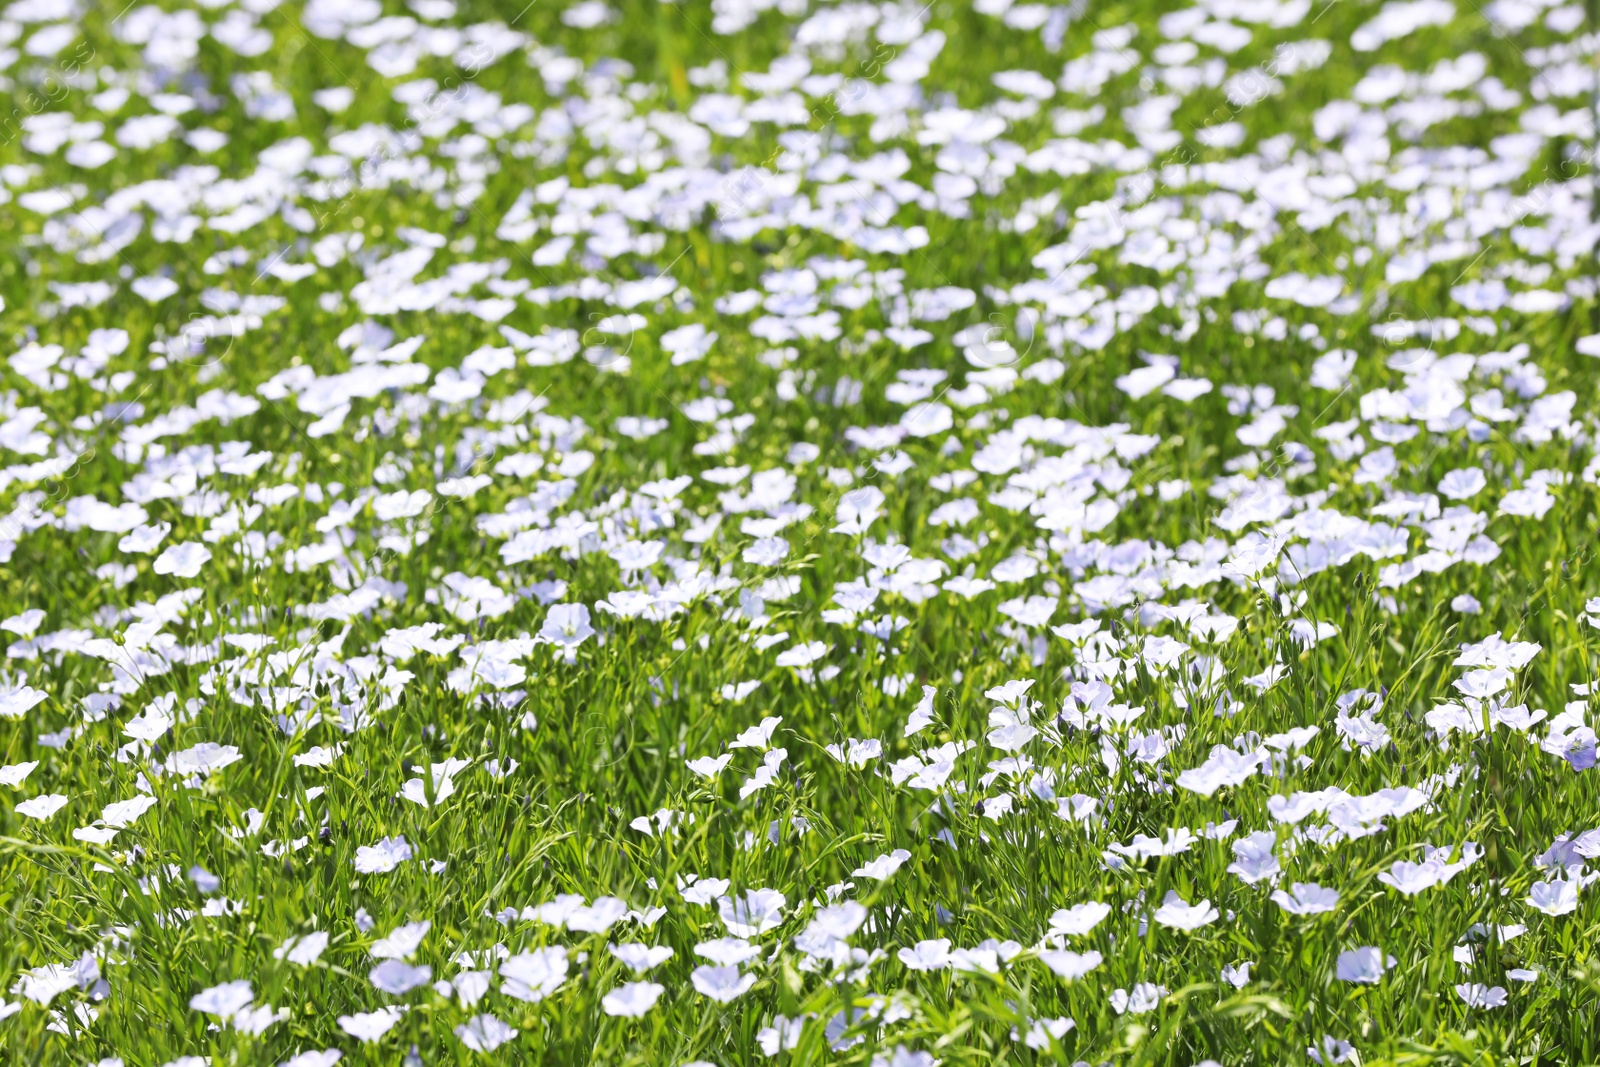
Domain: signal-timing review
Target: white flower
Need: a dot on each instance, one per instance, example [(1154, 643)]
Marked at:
[(43, 984), (922, 715), (1332, 1052), (396, 977), (927, 419), (884, 866), (859, 509), (641, 958), (256, 1020), (1366, 965), (382, 857), (42, 807), (1530, 503), (702, 891), (709, 766), (15, 774), (124, 813), (566, 626), (17, 702), (727, 951), (598, 917), (224, 1001), (443, 775), (370, 1026), (484, 1033), (302, 951), (721, 984), (1042, 1031), (203, 758), (1224, 767), (1411, 878), (1237, 974), (1180, 915), (1477, 995), (1558, 897), (143, 539), (638, 555), (24, 623), (1070, 965), (767, 552), (856, 752), (314, 1058), (783, 1034), (402, 943), (803, 655), (1144, 997), (926, 955), (1307, 898), (633, 999), (759, 736), (837, 921), (1463, 484), (532, 976), (1254, 858), (461, 489), (1079, 919), (183, 560)]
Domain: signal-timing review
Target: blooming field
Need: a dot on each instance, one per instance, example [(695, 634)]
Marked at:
[(799, 532)]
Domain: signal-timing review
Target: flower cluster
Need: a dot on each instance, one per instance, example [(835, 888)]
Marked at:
[(682, 533)]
